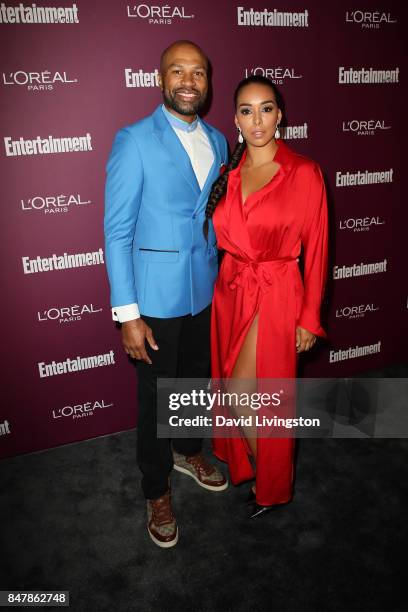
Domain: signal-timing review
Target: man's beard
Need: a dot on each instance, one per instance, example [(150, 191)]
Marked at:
[(184, 107)]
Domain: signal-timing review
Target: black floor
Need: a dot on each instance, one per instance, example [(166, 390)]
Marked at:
[(73, 518)]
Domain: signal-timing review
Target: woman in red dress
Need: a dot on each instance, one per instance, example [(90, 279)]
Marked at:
[(268, 204)]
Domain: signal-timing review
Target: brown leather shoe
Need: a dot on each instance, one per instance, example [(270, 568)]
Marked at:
[(205, 474), (161, 524)]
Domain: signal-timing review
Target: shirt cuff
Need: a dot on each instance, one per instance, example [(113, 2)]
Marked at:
[(125, 313)]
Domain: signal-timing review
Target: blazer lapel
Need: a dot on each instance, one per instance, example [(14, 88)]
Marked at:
[(177, 154), (214, 170)]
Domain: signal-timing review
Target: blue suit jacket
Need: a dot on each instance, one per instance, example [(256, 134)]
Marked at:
[(156, 253)]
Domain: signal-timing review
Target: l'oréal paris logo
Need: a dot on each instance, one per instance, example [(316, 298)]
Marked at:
[(157, 15), (369, 20), (37, 81), (367, 127), (361, 224), (67, 314), (56, 204), (277, 74), (355, 311), (80, 411)]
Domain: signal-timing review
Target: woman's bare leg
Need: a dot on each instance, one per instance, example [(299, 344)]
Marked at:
[(244, 377)]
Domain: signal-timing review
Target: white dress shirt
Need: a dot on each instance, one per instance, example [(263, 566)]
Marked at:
[(197, 145)]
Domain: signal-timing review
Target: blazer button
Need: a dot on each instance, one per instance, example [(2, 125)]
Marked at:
[(194, 216)]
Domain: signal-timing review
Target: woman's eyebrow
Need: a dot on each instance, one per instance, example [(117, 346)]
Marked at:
[(264, 102)]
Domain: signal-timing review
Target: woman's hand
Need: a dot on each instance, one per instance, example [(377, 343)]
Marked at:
[(304, 339)]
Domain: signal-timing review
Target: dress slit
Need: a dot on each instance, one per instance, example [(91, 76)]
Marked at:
[(242, 343), (255, 318)]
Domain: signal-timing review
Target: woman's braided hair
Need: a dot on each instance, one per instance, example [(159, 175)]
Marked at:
[(219, 187)]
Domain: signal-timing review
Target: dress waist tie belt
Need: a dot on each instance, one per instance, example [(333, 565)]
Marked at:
[(253, 275)]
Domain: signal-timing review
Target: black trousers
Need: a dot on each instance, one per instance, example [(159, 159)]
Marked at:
[(184, 352)]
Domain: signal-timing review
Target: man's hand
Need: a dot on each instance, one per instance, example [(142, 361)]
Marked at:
[(304, 339), (134, 335)]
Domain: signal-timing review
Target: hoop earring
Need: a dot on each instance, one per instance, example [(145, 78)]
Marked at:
[(240, 136), (277, 132)]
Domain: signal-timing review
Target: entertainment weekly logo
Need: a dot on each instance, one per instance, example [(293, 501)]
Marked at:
[(353, 352), (53, 205), (139, 78), (37, 81), (356, 311), (361, 269), (272, 18), (369, 127), (67, 314), (62, 262), (277, 75), (38, 14), (363, 177), (369, 20), (47, 146), (367, 76), (77, 364), (157, 15), (293, 132), (360, 224), (79, 411), (5, 428)]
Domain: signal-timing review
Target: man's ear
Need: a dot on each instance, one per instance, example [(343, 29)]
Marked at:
[(160, 80)]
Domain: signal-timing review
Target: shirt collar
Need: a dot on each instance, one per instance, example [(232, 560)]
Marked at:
[(179, 123)]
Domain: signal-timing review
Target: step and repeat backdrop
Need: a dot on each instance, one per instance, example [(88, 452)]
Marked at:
[(73, 73)]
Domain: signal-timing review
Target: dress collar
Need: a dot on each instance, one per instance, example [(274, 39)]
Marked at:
[(179, 124), (284, 156)]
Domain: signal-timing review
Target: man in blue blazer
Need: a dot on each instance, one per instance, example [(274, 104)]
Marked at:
[(161, 269)]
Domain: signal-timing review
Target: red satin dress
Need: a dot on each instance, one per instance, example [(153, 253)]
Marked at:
[(259, 273)]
